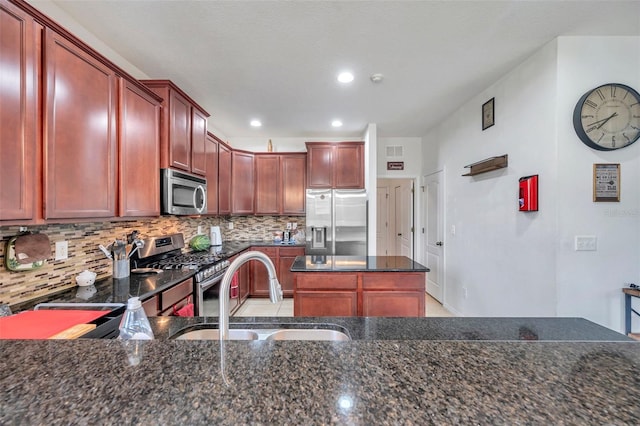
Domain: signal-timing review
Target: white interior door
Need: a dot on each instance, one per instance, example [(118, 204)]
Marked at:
[(382, 225), (434, 244), (404, 218)]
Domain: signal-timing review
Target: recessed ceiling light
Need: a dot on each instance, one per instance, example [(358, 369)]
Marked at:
[(255, 123), (336, 123), (345, 77)]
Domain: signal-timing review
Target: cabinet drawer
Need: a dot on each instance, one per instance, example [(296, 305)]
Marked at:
[(330, 281), (150, 306), (176, 293), (291, 251), (393, 281), (269, 251)]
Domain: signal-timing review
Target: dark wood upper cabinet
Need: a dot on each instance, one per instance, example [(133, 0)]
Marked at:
[(198, 142), (335, 165), (18, 114), (212, 159), (80, 106), (268, 187), (242, 182), (139, 154), (183, 129), (319, 165), (280, 183), (224, 179), (348, 165), (293, 181)]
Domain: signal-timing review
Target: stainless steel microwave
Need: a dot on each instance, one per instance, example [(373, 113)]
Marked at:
[(182, 193)]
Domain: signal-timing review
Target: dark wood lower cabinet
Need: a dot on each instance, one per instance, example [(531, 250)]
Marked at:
[(282, 258), (325, 304), (375, 294)]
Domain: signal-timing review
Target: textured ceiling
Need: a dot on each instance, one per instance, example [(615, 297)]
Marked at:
[(278, 60)]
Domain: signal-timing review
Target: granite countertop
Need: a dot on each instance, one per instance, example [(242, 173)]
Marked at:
[(361, 382), (111, 290), (356, 264)]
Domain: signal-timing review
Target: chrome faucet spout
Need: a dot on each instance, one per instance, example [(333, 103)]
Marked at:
[(275, 291)]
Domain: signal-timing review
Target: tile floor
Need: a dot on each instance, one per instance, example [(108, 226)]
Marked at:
[(255, 307)]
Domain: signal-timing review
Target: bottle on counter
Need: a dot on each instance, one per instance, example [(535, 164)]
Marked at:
[(135, 324)]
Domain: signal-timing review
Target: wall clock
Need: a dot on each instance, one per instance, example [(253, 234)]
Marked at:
[(488, 118), (608, 117)]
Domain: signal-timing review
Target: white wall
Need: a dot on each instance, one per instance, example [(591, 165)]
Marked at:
[(515, 263), (505, 259), (589, 282), (412, 156)]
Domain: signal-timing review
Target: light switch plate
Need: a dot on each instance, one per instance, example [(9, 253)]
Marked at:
[(586, 243)]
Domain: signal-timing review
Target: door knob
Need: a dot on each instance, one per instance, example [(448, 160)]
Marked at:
[(439, 243), (399, 235)]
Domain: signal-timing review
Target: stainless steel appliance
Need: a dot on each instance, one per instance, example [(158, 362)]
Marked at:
[(336, 222), (182, 193), (166, 252)]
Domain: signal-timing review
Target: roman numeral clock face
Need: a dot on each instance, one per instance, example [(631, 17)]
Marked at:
[(608, 117)]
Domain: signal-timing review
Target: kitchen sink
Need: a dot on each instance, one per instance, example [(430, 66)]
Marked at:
[(214, 334), (291, 331), (308, 334)]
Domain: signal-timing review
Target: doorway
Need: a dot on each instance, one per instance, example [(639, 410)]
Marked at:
[(395, 217), (433, 241)]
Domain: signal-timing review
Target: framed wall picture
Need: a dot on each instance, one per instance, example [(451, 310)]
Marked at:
[(488, 117), (606, 182)]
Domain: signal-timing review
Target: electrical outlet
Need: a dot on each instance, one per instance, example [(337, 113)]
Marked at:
[(288, 225), (453, 230), (62, 250), (199, 229), (230, 225), (294, 225), (585, 243), (464, 292)]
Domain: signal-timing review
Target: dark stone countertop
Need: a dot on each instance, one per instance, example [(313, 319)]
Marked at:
[(111, 290), (356, 264), (361, 382)]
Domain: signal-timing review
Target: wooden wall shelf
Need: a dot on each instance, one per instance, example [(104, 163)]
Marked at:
[(487, 165)]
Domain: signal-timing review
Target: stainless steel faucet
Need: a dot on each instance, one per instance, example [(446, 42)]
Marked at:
[(275, 291)]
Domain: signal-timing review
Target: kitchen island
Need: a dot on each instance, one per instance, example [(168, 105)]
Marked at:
[(389, 286), (395, 371)]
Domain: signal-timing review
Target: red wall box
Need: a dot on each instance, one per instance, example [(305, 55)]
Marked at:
[(528, 195)]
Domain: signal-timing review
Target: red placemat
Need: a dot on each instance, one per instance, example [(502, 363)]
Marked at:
[(43, 324)]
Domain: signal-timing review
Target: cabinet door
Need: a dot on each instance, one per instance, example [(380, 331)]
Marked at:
[(18, 139), (179, 131), (267, 184), (286, 256), (348, 165), (293, 173), (242, 183), (259, 274), (139, 154), (212, 175), (80, 134), (224, 180), (393, 304), (319, 166), (198, 142), (325, 304)]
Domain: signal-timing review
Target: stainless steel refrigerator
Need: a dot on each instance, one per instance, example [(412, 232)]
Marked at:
[(336, 222)]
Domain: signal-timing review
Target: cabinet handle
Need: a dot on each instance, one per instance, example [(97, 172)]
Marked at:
[(439, 243)]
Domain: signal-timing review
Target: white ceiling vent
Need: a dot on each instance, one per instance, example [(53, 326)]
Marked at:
[(394, 151)]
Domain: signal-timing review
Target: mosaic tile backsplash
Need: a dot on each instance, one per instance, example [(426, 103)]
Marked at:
[(84, 238)]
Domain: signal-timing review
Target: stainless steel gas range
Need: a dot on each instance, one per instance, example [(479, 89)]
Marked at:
[(168, 252)]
